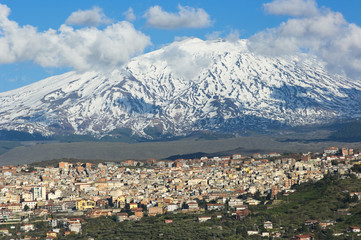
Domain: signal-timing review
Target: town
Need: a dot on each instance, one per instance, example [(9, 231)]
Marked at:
[(66, 195)]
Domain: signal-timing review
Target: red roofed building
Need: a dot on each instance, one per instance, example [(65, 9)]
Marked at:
[(303, 237)]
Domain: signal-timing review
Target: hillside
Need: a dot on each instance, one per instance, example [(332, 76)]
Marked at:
[(185, 87)]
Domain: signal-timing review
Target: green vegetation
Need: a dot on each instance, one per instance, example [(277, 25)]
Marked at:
[(356, 168), (184, 226)]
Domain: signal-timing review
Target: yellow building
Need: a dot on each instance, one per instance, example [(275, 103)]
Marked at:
[(51, 235), (133, 205), (85, 204)]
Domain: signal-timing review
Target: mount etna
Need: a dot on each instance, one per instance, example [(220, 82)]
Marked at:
[(185, 87)]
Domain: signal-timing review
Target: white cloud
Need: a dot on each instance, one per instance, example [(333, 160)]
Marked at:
[(183, 63), (83, 49), (294, 8), (187, 17), (233, 36), (214, 35), (129, 15), (92, 17), (327, 35)]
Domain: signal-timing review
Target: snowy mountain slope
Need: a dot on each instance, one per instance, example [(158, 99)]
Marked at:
[(186, 86)]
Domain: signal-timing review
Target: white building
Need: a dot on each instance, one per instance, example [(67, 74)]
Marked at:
[(39, 193), (31, 204), (172, 207), (27, 227), (55, 195), (27, 196)]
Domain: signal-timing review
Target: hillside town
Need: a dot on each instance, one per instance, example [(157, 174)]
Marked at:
[(69, 193)]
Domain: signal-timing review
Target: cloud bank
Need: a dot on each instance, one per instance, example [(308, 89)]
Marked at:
[(183, 63), (187, 17), (295, 8), (83, 49), (92, 17), (323, 33)]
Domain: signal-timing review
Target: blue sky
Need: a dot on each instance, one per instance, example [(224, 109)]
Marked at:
[(39, 52)]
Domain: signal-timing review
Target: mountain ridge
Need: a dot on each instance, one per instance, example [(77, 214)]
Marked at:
[(191, 85)]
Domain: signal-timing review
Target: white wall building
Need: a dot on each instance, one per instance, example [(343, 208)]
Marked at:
[(39, 193)]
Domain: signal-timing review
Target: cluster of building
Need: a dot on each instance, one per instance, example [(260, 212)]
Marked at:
[(132, 189)]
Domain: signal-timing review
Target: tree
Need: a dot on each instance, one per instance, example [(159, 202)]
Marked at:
[(26, 207), (356, 168)]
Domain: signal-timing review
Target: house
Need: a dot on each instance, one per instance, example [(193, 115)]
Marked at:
[(122, 216), (326, 223), (331, 150), (215, 206), (253, 202), (344, 152), (63, 165), (95, 213), (139, 213), (4, 231), (102, 203), (358, 194), (241, 207), (54, 195), (353, 229), (30, 204), (153, 211), (235, 202), (137, 210), (68, 205), (251, 232), (193, 206), (268, 225), (304, 237), (51, 235), (74, 226), (133, 205), (241, 214), (15, 207), (27, 227), (276, 234), (52, 207), (85, 204), (311, 223), (173, 207), (273, 154), (133, 218), (204, 218)]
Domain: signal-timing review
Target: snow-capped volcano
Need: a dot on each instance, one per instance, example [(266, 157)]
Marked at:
[(187, 86)]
